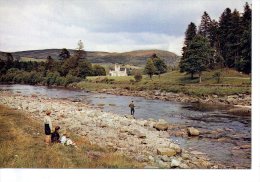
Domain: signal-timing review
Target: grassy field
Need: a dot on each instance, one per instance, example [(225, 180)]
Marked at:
[(22, 146), (26, 59), (231, 82)]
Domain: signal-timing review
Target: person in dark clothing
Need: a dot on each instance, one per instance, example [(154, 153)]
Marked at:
[(47, 127), (55, 136), (132, 108)]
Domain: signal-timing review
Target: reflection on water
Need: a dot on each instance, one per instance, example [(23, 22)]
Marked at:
[(196, 115)]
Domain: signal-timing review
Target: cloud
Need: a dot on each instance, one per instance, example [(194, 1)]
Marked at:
[(103, 25)]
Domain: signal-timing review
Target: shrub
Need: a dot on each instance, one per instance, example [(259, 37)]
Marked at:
[(138, 76), (71, 79)]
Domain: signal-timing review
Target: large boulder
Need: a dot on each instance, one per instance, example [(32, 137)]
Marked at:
[(166, 151), (193, 131), (161, 126)]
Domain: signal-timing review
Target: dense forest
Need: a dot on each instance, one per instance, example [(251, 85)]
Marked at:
[(218, 44), (66, 70)]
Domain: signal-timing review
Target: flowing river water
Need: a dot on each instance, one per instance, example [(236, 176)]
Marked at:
[(234, 128)]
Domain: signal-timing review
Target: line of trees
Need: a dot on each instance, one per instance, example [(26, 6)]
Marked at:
[(218, 44), (51, 72)]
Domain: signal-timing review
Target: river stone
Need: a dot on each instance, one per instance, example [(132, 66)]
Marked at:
[(166, 151), (175, 163), (144, 142), (165, 158), (103, 125), (161, 126), (141, 159), (137, 133), (164, 134), (122, 136), (245, 147), (197, 153), (193, 131), (124, 129), (129, 116), (151, 158), (185, 156), (175, 147), (162, 164), (183, 166)]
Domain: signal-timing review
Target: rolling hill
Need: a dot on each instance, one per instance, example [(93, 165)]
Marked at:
[(137, 58)]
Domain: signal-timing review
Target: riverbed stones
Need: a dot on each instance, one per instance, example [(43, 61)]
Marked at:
[(132, 137), (166, 151), (193, 131)]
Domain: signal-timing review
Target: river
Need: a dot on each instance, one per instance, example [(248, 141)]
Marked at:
[(236, 128)]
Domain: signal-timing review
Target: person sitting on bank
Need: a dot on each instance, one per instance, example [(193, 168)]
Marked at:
[(55, 136), (47, 127), (65, 140), (132, 108)]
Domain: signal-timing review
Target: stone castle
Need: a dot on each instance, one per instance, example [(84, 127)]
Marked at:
[(118, 71)]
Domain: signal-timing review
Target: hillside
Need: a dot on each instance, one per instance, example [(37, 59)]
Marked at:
[(134, 57)]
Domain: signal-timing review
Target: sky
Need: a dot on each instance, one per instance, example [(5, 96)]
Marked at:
[(103, 25)]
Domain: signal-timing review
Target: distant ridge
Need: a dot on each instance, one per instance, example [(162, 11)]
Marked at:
[(137, 57)]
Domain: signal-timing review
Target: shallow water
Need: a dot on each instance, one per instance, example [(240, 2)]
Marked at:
[(199, 116)]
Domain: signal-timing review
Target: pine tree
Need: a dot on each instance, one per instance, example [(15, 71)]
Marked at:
[(199, 53), (204, 28), (49, 63), (225, 24), (247, 16), (150, 68), (64, 54), (234, 39), (189, 35), (160, 66), (214, 34), (244, 64)]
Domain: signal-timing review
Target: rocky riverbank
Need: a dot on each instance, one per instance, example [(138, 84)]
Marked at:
[(239, 100), (146, 141)]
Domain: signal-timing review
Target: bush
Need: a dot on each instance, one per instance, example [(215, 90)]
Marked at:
[(99, 70), (51, 78), (71, 79), (138, 76)]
